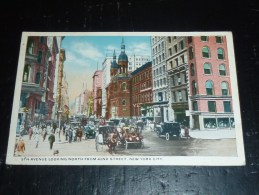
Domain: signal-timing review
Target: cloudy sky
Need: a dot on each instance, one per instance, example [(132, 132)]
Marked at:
[(85, 54)]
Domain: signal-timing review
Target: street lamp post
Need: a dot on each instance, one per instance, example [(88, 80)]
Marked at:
[(59, 118)]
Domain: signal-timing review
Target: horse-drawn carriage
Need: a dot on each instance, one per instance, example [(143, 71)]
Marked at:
[(121, 137)]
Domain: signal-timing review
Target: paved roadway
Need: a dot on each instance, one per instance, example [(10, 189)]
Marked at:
[(153, 146)]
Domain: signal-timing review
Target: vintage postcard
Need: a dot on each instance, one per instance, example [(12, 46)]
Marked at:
[(124, 98)]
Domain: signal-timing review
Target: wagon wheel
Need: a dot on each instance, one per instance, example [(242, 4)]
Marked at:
[(167, 136)]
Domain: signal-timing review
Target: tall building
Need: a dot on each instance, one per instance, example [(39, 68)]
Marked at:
[(178, 82), (106, 66), (162, 110), (97, 88), (136, 61), (118, 90), (34, 80), (141, 91), (210, 86)]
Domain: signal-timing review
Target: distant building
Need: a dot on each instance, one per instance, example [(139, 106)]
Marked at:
[(136, 61), (97, 98), (141, 91)]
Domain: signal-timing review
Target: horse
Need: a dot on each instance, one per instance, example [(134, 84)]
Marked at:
[(111, 143)]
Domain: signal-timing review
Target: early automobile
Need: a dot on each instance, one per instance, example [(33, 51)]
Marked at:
[(89, 131), (169, 130)]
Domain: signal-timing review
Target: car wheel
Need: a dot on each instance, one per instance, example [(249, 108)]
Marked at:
[(167, 136)]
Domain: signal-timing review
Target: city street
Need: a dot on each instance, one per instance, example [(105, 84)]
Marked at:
[(153, 146)]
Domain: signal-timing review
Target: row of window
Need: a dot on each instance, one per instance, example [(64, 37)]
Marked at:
[(176, 48), (210, 88), (180, 96), (159, 59), (158, 48), (212, 106), (159, 71), (207, 54), (207, 69), (141, 77), (179, 79), (213, 123), (141, 98), (177, 61), (142, 86), (160, 83)]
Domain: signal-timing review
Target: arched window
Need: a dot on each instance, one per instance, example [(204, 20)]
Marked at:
[(191, 54), (222, 70), (30, 45), (37, 79), (123, 102), (224, 88), (26, 72), (192, 69), (206, 52), (221, 55), (123, 86), (209, 87), (207, 68), (194, 87)]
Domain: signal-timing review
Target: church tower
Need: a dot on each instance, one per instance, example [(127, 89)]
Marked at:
[(114, 66), (123, 60)]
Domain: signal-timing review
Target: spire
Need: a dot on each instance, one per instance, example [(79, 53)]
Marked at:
[(122, 45), (114, 56)]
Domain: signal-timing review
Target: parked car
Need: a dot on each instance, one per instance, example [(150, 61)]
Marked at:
[(90, 131), (169, 130)]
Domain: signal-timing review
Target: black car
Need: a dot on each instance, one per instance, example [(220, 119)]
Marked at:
[(90, 131), (169, 130)]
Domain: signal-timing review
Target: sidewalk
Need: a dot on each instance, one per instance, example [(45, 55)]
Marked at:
[(212, 134)]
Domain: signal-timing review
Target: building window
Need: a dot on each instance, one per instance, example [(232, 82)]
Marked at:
[(160, 70), (161, 82), (171, 64), (195, 106), (219, 39), (182, 59), (159, 58), (39, 57), (194, 88), (26, 72), (185, 77), (170, 51), (186, 94), (174, 97), (189, 39), (224, 88), (155, 84), (227, 106), (30, 45), (181, 45), (175, 48), (222, 70), (41, 39), (176, 62), (172, 81), (169, 39), (163, 56), (123, 86), (160, 96), (179, 80), (209, 87), (180, 97), (223, 123), (38, 77), (191, 54), (212, 106), (164, 69), (123, 102), (164, 81), (221, 55), (210, 123), (206, 52), (207, 68), (232, 122), (204, 38), (162, 45), (159, 47), (192, 69), (154, 73)]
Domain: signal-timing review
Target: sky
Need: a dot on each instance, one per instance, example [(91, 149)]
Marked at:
[(85, 54)]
